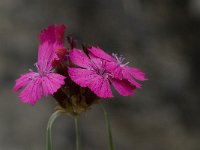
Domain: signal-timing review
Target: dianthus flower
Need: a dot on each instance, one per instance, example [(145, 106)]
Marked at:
[(115, 65), (91, 72), (44, 80), (76, 78)]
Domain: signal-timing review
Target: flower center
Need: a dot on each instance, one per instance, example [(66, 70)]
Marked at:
[(41, 71), (100, 69)]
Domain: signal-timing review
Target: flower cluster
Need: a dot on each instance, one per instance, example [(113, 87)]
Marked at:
[(75, 78)]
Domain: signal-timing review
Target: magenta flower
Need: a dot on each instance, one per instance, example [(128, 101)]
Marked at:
[(44, 81), (118, 68), (91, 73)]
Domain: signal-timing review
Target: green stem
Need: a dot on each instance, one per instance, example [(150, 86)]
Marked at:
[(49, 143), (109, 132), (76, 121)]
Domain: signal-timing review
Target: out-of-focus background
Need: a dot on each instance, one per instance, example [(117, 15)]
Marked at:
[(159, 36)]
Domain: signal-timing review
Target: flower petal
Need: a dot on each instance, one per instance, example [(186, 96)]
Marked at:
[(81, 76), (51, 38), (79, 58), (101, 87), (52, 82), (24, 80), (46, 55), (122, 86), (32, 92), (52, 34), (89, 78), (35, 84), (130, 78), (98, 52), (136, 73)]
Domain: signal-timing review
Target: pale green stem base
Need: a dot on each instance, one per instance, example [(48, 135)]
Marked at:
[(109, 132), (49, 143)]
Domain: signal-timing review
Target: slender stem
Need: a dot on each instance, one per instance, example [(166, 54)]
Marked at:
[(49, 143), (76, 121), (109, 132)]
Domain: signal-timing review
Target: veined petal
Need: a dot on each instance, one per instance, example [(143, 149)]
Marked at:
[(46, 55), (130, 78), (24, 80), (79, 58), (89, 78), (34, 85), (81, 76), (96, 51), (101, 87), (136, 73), (51, 39), (122, 86), (52, 34), (32, 92), (52, 82)]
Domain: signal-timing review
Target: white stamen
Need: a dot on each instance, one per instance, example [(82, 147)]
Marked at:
[(36, 65), (124, 64), (120, 59)]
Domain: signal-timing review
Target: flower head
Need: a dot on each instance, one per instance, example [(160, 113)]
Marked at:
[(92, 73), (44, 80), (116, 66), (77, 79)]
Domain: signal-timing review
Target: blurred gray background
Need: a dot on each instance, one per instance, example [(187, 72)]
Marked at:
[(159, 36)]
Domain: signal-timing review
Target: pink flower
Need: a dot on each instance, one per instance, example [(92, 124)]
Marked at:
[(44, 81), (91, 73), (118, 68)]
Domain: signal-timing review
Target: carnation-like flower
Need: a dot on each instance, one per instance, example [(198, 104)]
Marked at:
[(44, 80), (77, 79), (115, 65), (91, 73)]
